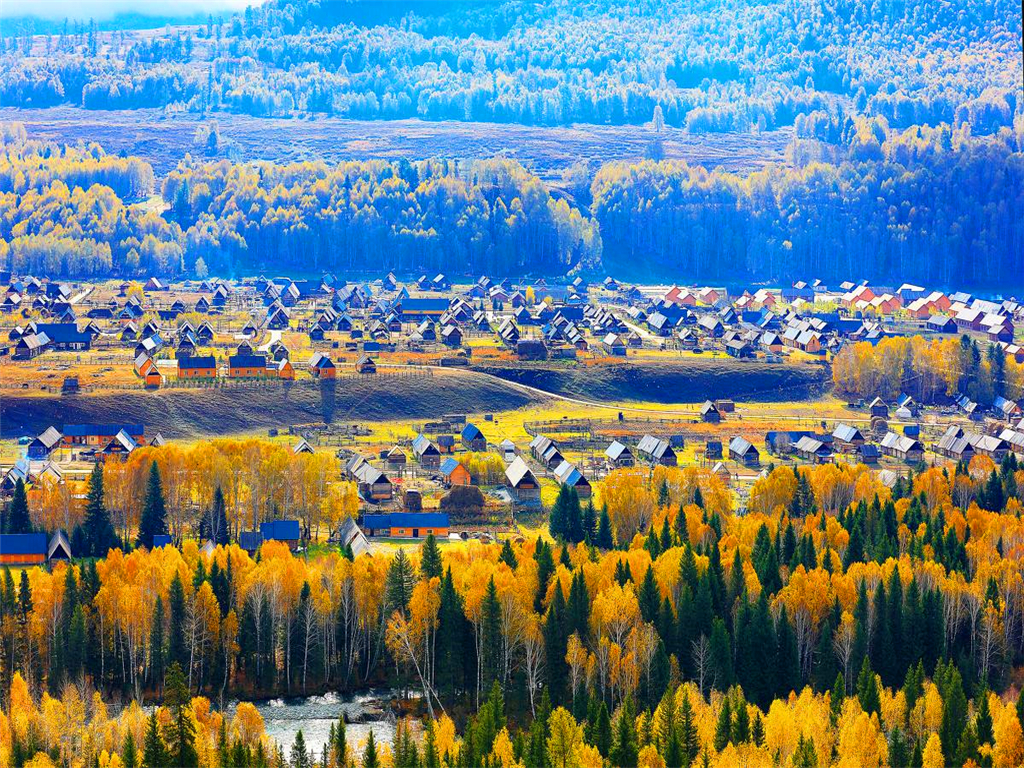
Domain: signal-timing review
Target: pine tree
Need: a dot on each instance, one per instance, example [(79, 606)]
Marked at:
[(507, 556), (490, 643), (867, 690), (219, 519), (398, 583), (649, 597), (177, 652), (603, 731), (300, 757), (624, 751), (430, 757), (129, 754), (430, 559), (804, 755), (181, 740), (370, 759), (154, 753), (723, 726), (451, 621), (899, 749), (18, 520), (154, 515), (99, 533), (589, 523), (604, 530)]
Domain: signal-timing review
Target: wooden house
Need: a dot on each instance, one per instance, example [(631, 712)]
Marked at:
[(709, 413), (618, 455), (288, 531), (902, 447), (407, 525), (426, 452), (203, 367), (521, 482), (454, 473), (654, 450), (247, 366), (472, 438), (568, 475), (741, 450)]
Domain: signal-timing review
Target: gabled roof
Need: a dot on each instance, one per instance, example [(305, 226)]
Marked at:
[(422, 445), (846, 433), (471, 432), (49, 438), (449, 465), (517, 471), (617, 450), (741, 446), (568, 474)]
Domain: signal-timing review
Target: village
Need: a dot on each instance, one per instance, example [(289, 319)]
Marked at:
[(484, 475), (201, 333)]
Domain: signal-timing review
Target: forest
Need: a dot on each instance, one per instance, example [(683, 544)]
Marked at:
[(928, 370), (858, 199), (706, 66), (837, 622)]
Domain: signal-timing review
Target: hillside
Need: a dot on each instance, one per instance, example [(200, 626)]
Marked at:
[(671, 382), (229, 410)]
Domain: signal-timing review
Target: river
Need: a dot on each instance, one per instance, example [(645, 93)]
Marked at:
[(283, 718)]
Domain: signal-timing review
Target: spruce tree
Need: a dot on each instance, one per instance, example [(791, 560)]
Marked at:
[(129, 753), (430, 558), (589, 523), (18, 520), (604, 530), (723, 727), (867, 690), (398, 583), (370, 758), (154, 753), (219, 519), (507, 556), (624, 751), (154, 515), (99, 533), (300, 757), (181, 740), (177, 652), (983, 723), (490, 644)]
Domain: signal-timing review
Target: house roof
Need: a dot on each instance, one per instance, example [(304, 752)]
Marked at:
[(63, 333), (653, 446), (247, 361), (568, 474), (23, 543), (741, 446), (49, 438), (200, 362), (98, 430), (449, 465), (422, 445), (846, 433), (281, 530), (617, 450), (517, 471), (471, 432)]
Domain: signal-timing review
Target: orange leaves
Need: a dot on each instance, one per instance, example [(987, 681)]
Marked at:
[(773, 493)]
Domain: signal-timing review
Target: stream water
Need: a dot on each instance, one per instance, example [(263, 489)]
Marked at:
[(283, 718)]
